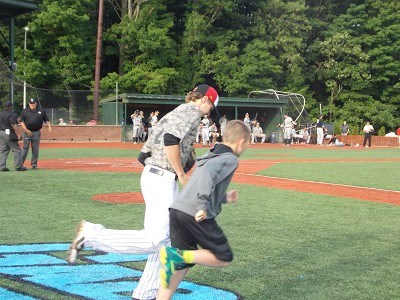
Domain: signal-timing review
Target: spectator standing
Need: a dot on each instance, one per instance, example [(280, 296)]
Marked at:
[(222, 124), (32, 119), (320, 130), (368, 131), (345, 128), (61, 121), (9, 138)]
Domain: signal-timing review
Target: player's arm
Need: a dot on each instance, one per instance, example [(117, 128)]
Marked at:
[(172, 152), (142, 157)]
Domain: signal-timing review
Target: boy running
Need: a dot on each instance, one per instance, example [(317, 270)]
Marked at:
[(192, 215)]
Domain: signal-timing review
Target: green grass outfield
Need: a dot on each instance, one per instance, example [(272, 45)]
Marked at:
[(287, 244)]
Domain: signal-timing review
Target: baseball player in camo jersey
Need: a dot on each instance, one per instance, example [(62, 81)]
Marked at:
[(164, 154)]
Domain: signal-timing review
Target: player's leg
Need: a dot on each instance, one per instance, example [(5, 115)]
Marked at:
[(146, 241), (150, 280), (156, 223)]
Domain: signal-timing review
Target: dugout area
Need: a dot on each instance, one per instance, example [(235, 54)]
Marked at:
[(269, 111)]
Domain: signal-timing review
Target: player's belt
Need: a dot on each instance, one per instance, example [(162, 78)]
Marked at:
[(160, 172), (156, 171)]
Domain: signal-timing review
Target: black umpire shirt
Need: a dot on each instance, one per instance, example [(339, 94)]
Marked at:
[(34, 118), (8, 118)]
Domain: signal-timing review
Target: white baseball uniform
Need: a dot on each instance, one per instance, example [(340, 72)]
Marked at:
[(159, 187)]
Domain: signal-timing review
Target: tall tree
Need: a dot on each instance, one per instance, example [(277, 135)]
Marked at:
[(149, 51), (357, 61), (63, 35)]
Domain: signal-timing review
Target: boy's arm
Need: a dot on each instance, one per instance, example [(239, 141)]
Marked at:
[(232, 196), (200, 215)]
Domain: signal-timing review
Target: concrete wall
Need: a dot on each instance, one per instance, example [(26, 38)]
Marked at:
[(375, 141), (117, 133), (83, 133)]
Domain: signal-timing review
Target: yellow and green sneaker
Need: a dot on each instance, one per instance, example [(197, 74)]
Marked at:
[(171, 261)]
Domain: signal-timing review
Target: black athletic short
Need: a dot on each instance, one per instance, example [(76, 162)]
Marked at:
[(187, 234)]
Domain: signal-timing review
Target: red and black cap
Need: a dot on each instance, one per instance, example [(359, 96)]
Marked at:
[(208, 91)]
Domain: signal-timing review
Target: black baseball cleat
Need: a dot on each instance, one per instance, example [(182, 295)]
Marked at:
[(77, 244), (21, 169), (34, 167)]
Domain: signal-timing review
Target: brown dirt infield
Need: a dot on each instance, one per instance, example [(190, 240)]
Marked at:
[(246, 174)]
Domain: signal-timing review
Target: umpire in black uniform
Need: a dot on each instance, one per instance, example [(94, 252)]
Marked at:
[(32, 119), (9, 138)]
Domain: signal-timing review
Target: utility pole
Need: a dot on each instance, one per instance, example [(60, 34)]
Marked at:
[(26, 28), (98, 60), (12, 63)]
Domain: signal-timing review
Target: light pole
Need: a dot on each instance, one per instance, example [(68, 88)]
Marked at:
[(26, 28)]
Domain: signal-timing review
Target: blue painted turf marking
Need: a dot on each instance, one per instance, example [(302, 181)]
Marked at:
[(103, 277)]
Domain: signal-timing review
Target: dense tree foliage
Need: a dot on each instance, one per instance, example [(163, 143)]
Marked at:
[(340, 54)]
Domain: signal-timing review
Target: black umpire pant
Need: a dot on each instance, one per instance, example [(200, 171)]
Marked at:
[(34, 141), (367, 137)]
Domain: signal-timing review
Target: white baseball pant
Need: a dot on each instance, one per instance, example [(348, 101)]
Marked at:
[(320, 136), (159, 188), (205, 134)]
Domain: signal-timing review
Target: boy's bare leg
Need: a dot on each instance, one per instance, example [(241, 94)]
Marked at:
[(207, 258), (176, 278), (170, 256)]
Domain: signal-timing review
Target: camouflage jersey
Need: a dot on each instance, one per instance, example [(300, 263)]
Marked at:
[(183, 123)]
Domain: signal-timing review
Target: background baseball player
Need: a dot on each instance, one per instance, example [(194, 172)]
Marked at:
[(205, 134), (287, 130), (165, 153), (137, 123)]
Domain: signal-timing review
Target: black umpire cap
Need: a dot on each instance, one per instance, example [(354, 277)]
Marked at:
[(8, 104)]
